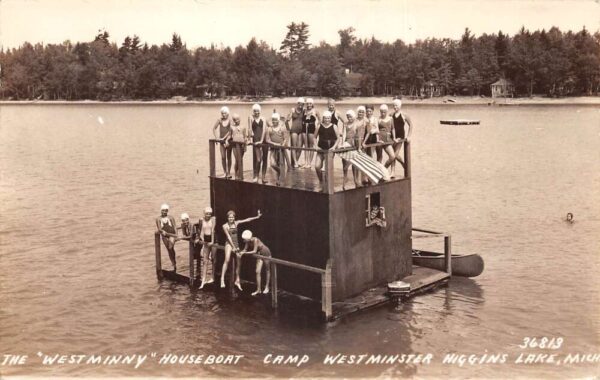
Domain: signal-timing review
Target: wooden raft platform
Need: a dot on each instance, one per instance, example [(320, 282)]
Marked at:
[(421, 280), (460, 122)]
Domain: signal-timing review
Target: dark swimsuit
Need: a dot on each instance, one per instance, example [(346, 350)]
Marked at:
[(257, 130), (224, 129), (327, 137), (309, 123), (399, 126), (297, 117), (233, 234)]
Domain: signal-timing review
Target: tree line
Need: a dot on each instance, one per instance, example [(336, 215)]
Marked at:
[(549, 62)]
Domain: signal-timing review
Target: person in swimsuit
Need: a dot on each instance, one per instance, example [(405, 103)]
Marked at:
[(336, 117), (386, 127), (400, 134), (239, 139), (310, 120), (223, 126), (328, 138), (257, 126), (276, 137), (255, 245), (293, 123), (232, 245), (371, 131), (165, 224), (189, 233), (351, 138), (206, 237)]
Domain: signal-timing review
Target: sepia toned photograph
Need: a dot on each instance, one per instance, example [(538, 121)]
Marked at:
[(300, 189)]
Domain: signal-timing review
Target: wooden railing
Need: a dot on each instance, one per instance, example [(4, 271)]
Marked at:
[(328, 164), (447, 245), (326, 280)]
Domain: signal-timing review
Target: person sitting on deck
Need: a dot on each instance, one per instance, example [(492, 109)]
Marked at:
[(232, 245), (310, 120), (255, 245), (206, 237), (239, 139), (276, 137), (351, 138), (327, 139), (400, 134), (386, 127), (376, 217), (224, 136), (165, 224), (293, 123), (257, 127), (188, 233)]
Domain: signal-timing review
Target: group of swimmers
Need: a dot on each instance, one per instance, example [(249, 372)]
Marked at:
[(304, 127), (202, 236)]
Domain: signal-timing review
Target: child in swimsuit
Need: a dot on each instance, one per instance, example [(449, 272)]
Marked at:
[(255, 245), (238, 137), (223, 125), (189, 233), (165, 224), (206, 237), (232, 245)]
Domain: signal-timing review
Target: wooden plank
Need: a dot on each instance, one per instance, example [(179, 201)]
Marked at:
[(326, 297), (448, 254), (191, 258), (159, 274), (211, 158), (273, 285), (407, 170), (329, 177)]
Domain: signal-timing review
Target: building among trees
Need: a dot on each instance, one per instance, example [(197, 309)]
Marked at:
[(502, 88)]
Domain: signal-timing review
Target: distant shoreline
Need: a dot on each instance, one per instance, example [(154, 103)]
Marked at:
[(447, 100)]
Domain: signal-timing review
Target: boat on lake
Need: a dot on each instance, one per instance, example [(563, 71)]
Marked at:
[(470, 265)]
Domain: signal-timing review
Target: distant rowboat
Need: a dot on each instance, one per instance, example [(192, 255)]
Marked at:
[(460, 122), (462, 265)]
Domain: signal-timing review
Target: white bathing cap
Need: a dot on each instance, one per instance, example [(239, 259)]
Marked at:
[(275, 116), (326, 114), (300, 100), (225, 109), (383, 107), (208, 210), (361, 108), (398, 103), (164, 206), (310, 100), (256, 107), (185, 216), (247, 235), (350, 113)]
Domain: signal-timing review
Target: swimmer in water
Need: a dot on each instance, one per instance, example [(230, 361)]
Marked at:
[(570, 218), (255, 245), (232, 245), (165, 224)]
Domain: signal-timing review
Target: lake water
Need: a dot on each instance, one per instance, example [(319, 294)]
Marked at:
[(80, 187)]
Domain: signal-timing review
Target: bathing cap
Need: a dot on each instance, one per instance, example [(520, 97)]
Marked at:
[(383, 107), (230, 213), (275, 116), (330, 101), (361, 108), (310, 100), (225, 109), (208, 210), (350, 113), (185, 216), (164, 207), (247, 235), (398, 103), (300, 100), (326, 114), (256, 107)]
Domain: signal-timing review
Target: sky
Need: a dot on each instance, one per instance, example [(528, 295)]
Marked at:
[(235, 22)]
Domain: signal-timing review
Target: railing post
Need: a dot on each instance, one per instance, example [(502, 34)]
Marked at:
[(448, 253), (326, 291), (211, 158), (233, 258), (406, 159), (191, 249), (328, 183), (157, 254), (273, 285)]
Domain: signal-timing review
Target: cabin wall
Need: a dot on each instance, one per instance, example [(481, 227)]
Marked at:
[(365, 257), (289, 215)]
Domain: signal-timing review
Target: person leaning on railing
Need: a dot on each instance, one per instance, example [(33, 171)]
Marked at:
[(255, 245), (165, 224), (277, 137), (351, 139), (188, 233), (401, 121)]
